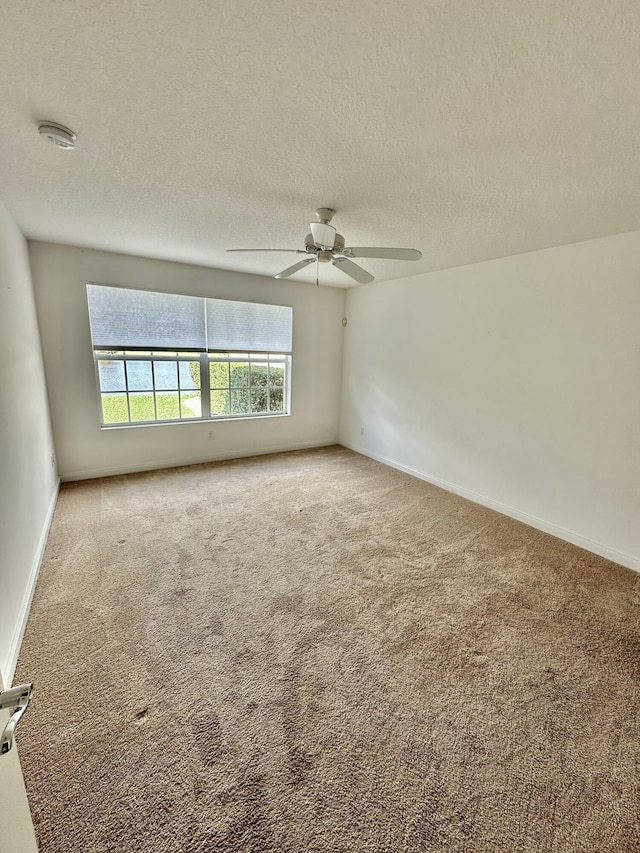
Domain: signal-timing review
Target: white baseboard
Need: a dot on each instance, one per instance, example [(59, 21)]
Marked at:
[(598, 548), (89, 474), (9, 665)]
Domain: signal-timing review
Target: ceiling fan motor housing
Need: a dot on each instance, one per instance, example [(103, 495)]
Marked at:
[(311, 245)]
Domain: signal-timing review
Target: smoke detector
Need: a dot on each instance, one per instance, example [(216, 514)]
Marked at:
[(58, 134)]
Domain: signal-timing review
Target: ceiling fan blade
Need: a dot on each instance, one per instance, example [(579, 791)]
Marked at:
[(297, 251), (353, 270), (379, 252), (290, 270)]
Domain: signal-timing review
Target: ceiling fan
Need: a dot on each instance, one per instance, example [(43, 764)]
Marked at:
[(324, 244)]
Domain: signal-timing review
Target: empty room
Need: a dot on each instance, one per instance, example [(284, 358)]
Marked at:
[(319, 427)]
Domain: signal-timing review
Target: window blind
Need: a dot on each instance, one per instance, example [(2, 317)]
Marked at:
[(141, 319), (145, 320), (245, 326)]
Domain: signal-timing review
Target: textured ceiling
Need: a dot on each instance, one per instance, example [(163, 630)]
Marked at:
[(466, 130)]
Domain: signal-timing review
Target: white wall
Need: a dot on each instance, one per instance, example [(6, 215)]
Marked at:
[(515, 382), (60, 274), (28, 478)]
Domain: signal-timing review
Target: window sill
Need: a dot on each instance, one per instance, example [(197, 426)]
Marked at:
[(222, 419)]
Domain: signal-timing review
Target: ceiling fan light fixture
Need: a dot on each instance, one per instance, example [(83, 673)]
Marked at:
[(324, 235)]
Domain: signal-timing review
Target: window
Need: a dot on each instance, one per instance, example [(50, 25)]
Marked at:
[(163, 357)]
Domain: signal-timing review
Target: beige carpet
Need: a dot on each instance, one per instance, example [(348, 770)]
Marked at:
[(313, 652)]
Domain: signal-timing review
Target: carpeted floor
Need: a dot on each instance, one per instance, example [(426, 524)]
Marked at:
[(313, 652)]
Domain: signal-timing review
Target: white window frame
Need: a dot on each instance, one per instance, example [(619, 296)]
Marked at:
[(240, 358), (204, 359)]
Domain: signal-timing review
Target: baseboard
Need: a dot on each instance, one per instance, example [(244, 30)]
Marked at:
[(533, 521), (93, 473), (9, 667)]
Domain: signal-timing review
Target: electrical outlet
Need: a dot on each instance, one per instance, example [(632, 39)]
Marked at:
[(53, 461), (361, 430), (210, 435)]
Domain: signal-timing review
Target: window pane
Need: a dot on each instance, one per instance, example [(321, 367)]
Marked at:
[(139, 375), (239, 374), (276, 374), (166, 373), (239, 402), (190, 404), (114, 409), (219, 403), (111, 375), (259, 375), (189, 374), (218, 374), (141, 407), (276, 400), (167, 406), (259, 400)]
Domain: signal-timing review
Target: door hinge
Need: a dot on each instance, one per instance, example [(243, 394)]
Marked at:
[(17, 698)]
